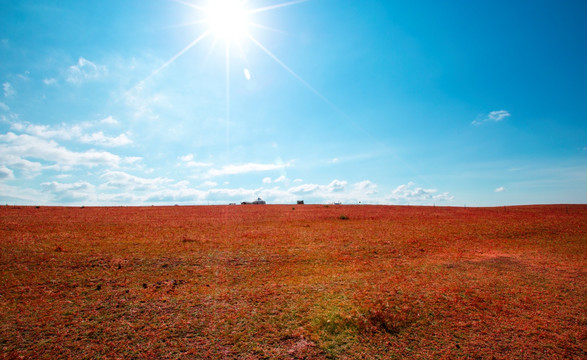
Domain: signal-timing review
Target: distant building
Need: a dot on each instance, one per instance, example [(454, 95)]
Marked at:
[(300, 202), (259, 201)]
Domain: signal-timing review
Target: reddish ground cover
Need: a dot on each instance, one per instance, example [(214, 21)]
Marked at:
[(253, 282)]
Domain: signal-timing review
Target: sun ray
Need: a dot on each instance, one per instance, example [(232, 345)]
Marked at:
[(191, 23), (277, 6), (346, 117), (294, 74), (221, 16), (192, 44), (193, 6), (259, 26)]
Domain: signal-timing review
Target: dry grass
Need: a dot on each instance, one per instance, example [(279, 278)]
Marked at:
[(256, 282)]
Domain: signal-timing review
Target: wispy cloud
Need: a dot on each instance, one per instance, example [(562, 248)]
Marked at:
[(122, 180), (188, 161), (4, 107), (338, 191), (281, 179), (109, 121), (366, 187), (246, 168), (123, 188), (99, 138), (23, 195), (411, 193), (73, 132), (25, 76), (85, 70), (79, 191), (6, 173), (500, 189), (8, 89), (35, 153), (50, 81), (494, 116), (209, 184), (144, 105), (334, 187)]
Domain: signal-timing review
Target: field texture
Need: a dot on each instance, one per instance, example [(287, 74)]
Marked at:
[(288, 282)]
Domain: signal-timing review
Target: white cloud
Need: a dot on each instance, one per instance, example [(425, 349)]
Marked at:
[(73, 132), (267, 180), (79, 191), (304, 189), (196, 164), (8, 89), (335, 161), (297, 181), (99, 138), (122, 180), (25, 76), (6, 173), (282, 178), (410, 193), (334, 187), (494, 116), (500, 189), (109, 121), (50, 81), (46, 132), (336, 191), (129, 160), (22, 195), (209, 184), (366, 187), (188, 160), (4, 107), (17, 149), (85, 70), (245, 168)]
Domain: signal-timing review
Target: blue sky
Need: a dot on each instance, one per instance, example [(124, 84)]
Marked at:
[(382, 102)]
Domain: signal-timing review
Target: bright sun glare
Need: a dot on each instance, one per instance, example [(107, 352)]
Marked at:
[(228, 19)]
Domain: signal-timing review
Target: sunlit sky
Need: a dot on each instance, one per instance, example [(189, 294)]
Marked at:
[(156, 102)]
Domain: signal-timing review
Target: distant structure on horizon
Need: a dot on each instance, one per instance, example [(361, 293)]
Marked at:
[(259, 201), (300, 202)]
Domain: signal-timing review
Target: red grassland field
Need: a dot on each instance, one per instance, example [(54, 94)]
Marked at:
[(293, 282)]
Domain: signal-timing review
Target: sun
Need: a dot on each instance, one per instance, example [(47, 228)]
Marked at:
[(227, 19)]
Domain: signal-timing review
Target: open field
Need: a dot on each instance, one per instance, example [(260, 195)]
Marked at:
[(309, 281)]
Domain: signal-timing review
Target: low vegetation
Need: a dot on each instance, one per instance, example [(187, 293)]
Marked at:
[(257, 282)]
